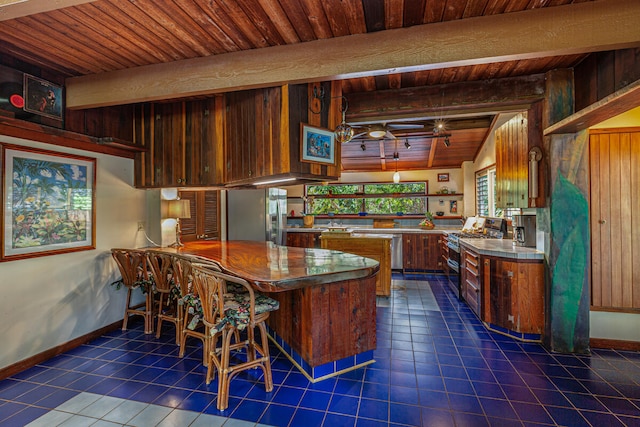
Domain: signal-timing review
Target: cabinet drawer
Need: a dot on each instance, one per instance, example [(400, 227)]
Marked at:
[(472, 296)]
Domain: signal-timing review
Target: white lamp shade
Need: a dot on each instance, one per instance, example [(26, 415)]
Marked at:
[(396, 177), (177, 209)]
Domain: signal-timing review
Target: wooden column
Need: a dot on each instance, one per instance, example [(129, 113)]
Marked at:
[(566, 225)]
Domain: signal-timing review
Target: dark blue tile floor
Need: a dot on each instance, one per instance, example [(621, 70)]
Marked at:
[(436, 365)]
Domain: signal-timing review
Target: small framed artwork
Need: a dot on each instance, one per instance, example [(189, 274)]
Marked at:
[(453, 206), (318, 145), (49, 203), (443, 177), (43, 97)]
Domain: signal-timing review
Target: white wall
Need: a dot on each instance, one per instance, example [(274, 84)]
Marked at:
[(50, 300)]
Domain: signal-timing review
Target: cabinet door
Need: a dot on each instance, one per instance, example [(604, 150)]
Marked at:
[(432, 252), (303, 240), (411, 251), (184, 143), (501, 307), (204, 142), (204, 223), (254, 132)]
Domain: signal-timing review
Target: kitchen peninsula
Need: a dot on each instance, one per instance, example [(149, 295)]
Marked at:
[(327, 317)]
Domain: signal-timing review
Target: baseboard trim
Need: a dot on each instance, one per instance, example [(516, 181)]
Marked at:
[(62, 348), (614, 344)]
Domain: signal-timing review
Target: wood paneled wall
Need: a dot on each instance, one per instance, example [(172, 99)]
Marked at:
[(603, 73)]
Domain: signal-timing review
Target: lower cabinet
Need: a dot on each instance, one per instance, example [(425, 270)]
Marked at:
[(514, 297), (504, 292), (378, 248), (421, 251), (471, 280), (304, 239)]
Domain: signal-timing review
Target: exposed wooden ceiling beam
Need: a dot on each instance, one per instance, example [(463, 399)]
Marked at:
[(570, 29), (437, 101), (10, 9)]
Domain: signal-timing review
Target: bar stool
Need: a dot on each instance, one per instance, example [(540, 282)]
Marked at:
[(192, 316), (132, 264), (168, 294), (225, 313)]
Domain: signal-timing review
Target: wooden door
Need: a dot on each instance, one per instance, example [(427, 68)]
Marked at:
[(615, 219)]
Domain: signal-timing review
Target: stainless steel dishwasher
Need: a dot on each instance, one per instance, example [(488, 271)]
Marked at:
[(396, 251)]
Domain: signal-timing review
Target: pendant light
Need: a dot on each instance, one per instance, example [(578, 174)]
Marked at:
[(344, 132), (396, 157)]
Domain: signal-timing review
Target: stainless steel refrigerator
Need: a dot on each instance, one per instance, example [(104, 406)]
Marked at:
[(257, 215)]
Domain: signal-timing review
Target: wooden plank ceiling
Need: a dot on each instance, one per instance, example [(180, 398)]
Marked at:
[(92, 37)]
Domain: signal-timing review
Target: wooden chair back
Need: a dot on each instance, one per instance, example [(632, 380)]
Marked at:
[(160, 264), (132, 264)]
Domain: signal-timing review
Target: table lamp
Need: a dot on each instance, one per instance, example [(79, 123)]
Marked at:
[(177, 209)]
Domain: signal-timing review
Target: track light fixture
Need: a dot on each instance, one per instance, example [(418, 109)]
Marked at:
[(364, 147), (447, 143), (406, 144)]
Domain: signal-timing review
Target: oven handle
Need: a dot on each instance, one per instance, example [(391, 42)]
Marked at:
[(453, 265)]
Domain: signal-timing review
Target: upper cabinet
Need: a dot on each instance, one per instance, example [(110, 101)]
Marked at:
[(184, 143), (234, 139), (263, 132), (520, 163)]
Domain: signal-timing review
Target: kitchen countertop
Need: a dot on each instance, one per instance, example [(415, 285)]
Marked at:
[(503, 248), (358, 235), (371, 230), (272, 268)]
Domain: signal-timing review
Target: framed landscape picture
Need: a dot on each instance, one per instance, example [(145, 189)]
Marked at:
[(318, 145), (49, 203)]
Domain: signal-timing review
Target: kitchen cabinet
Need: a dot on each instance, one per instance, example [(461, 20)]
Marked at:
[(513, 294), (304, 239), (471, 278), (262, 129), (514, 141), (232, 139), (370, 246), (421, 251), (183, 142), (444, 253), (204, 223)]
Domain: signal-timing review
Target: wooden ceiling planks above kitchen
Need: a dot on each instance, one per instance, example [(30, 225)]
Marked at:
[(84, 38)]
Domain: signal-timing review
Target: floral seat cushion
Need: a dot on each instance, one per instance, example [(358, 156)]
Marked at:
[(236, 309)]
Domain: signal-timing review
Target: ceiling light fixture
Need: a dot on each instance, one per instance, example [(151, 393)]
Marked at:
[(377, 133), (447, 143), (396, 157), (439, 126), (406, 144), (364, 147)]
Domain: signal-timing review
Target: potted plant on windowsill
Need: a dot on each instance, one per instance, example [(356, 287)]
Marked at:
[(427, 222)]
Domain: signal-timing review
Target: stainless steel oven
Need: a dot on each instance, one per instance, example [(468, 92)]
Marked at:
[(453, 264)]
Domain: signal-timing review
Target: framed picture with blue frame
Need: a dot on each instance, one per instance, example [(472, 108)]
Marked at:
[(317, 145)]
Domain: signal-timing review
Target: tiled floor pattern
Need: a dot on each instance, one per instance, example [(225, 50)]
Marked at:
[(436, 365)]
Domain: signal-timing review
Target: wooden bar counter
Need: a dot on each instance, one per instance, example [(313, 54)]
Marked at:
[(327, 317)]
